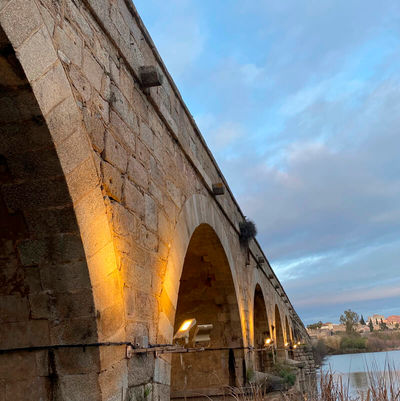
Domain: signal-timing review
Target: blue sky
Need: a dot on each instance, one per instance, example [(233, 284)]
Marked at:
[(299, 101)]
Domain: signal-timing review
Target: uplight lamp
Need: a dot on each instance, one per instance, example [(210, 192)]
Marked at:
[(267, 341), (185, 328)]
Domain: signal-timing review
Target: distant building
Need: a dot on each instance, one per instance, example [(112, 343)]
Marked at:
[(393, 319), (376, 319)]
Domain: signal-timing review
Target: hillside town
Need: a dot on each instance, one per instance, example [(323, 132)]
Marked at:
[(376, 321)]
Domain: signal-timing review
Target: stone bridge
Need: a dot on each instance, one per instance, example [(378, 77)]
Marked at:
[(116, 223)]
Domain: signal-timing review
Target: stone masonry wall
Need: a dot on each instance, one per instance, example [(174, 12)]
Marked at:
[(150, 181)]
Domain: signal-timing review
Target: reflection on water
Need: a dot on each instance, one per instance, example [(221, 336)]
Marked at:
[(354, 368)]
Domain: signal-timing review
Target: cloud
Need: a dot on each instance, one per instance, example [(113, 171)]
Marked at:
[(299, 102), (179, 33)]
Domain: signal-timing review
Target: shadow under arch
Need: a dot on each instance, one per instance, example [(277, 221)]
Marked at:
[(261, 332), (279, 338), (45, 288), (207, 293)]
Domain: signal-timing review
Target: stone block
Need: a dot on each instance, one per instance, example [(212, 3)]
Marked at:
[(27, 390), (80, 83), (101, 105), (24, 334), (92, 70), (64, 119), (37, 54), (147, 135), (95, 128), (160, 392), (78, 330), (125, 134), (134, 199), (13, 308), (111, 322), (51, 88), (76, 16), (40, 304), (143, 153), (93, 222), (18, 365), (122, 107), (151, 213), (77, 360), (65, 277), (140, 369), (79, 387), (36, 164), (148, 239), (113, 381), (162, 371), (83, 179), (73, 151), (124, 223), (74, 304), (19, 19), (114, 153), (137, 173), (112, 181), (58, 248)]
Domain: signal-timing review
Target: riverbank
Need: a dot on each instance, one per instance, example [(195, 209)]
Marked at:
[(342, 343)]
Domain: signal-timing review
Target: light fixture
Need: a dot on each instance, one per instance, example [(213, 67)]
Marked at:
[(202, 335), (267, 342), (295, 346), (183, 331), (286, 344), (218, 188), (150, 76)]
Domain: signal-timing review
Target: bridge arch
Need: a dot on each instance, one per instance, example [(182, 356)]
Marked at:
[(63, 283), (196, 211), (200, 230), (261, 331), (279, 334), (207, 293)]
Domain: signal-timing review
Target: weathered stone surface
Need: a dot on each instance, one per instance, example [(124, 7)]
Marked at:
[(111, 232)]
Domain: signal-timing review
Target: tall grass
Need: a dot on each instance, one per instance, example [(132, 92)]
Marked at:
[(382, 386)]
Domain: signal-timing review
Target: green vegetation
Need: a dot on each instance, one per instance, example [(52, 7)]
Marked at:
[(371, 326), (315, 326), (286, 373), (353, 343), (350, 319)]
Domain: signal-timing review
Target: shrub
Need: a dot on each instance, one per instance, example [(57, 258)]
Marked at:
[(353, 342)]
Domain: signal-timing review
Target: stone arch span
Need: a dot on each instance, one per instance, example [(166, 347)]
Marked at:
[(196, 211), (279, 335), (207, 293), (261, 331), (201, 227), (58, 260)]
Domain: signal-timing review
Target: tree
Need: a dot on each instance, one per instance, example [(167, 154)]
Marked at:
[(397, 325), (315, 326), (371, 325), (383, 326), (362, 321), (349, 319)]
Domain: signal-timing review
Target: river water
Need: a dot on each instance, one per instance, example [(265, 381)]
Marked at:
[(354, 368)]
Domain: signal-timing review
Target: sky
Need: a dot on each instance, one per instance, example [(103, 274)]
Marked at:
[(299, 101)]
